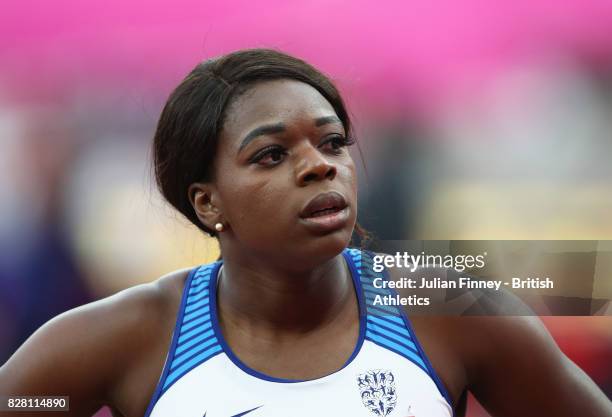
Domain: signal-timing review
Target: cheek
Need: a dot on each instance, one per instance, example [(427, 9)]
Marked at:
[(348, 175), (245, 196), (251, 202)]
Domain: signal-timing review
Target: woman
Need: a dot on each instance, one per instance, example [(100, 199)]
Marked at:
[(252, 148)]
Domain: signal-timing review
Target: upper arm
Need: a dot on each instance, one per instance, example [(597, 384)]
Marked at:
[(81, 352), (515, 368), (63, 357)]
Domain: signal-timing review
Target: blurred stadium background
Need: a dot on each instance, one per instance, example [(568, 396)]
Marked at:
[(477, 120)]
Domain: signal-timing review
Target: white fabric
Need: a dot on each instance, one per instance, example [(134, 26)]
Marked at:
[(219, 388)]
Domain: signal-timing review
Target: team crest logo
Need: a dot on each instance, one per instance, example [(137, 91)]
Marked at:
[(378, 393)]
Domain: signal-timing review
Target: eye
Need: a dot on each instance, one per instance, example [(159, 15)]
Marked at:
[(268, 156), (335, 143)]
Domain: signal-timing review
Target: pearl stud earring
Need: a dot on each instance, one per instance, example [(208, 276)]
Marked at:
[(219, 227)]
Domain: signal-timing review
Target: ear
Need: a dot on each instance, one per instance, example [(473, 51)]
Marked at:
[(203, 198)]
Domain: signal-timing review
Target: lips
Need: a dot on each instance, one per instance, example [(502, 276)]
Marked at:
[(324, 204)]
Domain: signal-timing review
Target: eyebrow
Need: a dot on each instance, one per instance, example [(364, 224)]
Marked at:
[(327, 120), (260, 131), (281, 127)]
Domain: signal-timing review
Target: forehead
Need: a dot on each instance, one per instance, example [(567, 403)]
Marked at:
[(276, 101)]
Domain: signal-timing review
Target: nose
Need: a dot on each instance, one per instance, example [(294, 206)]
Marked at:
[(312, 167)]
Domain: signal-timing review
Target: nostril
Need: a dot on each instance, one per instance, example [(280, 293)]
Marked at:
[(310, 177)]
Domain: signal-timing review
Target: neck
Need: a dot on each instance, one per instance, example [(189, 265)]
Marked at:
[(260, 295)]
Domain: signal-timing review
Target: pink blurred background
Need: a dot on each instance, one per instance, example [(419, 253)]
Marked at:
[(478, 120)]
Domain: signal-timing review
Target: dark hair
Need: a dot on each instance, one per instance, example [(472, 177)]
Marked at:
[(188, 130)]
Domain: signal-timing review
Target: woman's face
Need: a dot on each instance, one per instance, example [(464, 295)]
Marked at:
[(285, 184)]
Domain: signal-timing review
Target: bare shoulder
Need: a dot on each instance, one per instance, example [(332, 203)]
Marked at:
[(514, 364), (86, 351), (510, 363)]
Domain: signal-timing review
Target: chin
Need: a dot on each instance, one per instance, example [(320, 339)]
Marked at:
[(327, 246)]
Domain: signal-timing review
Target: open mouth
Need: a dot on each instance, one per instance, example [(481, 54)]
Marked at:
[(325, 212), (324, 204)]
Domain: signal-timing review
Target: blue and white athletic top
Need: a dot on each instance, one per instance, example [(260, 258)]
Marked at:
[(388, 373)]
